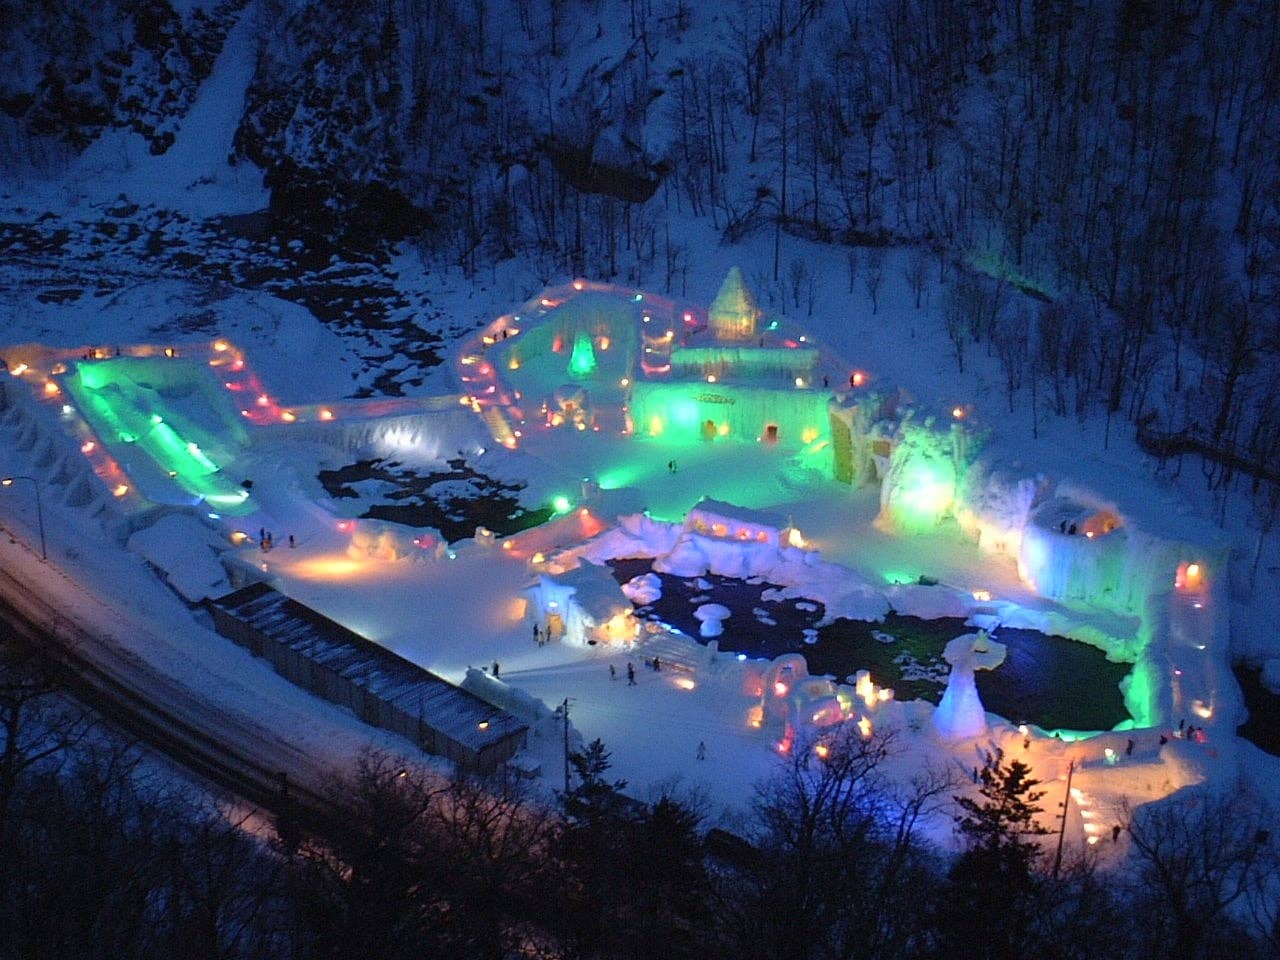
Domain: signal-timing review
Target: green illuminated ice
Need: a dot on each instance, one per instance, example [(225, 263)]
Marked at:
[(167, 423)]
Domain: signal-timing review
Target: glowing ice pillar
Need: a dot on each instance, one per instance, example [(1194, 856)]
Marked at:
[(583, 361), (961, 715)]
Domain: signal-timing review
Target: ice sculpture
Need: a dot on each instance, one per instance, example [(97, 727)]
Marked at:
[(960, 714)]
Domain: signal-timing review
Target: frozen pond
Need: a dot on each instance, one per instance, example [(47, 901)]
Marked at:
[(1049, 681)]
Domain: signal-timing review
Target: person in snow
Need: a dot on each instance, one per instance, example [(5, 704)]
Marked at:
[(631, 674), (292, 542), (702, 749), (657, 665), (495, 669), (613, 672), (537, 635)]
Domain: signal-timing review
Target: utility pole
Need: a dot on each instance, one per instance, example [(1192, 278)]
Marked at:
[(565, 707), (1062, 831)]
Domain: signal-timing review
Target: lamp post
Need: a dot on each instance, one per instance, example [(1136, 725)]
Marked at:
[(8, 482)]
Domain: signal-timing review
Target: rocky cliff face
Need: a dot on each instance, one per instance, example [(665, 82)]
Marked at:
[(69, 70)]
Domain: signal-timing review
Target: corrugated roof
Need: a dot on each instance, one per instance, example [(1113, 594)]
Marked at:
[(455, 712)]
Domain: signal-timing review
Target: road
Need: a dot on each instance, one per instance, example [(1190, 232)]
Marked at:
[(222, 747)]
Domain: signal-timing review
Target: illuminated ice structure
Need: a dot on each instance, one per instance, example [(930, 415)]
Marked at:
[(733, 377), (680, 375), (960, 714), (582, 606), (168, 425)]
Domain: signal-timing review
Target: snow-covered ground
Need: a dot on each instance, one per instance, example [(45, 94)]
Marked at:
[(466, 608)]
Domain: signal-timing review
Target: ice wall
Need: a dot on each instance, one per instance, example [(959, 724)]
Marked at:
[(919, 486), (681, 411)]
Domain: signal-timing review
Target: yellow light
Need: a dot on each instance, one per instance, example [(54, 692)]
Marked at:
[(19, 370), (584, 512), (822, 750), (604, 343), (334, 567), (487, 339), (655, 426), (780, 689), (121, 489), (50, 388), (795, 538), (507, 545), (1202, 710), (723, 430), (545, 302), (58, 368), (220, 346), (326, 413), (711, 378), (513, 364), (482, 725), (957, 412), (6, 482), (538, 557), (577, 285), (809, 434), (88, 446), (238, 537), (288, 416), (799, 381), (858, 378), (624, 382), (982, 596), (1193, 570), (686, 683), (469, 360), (864, 727)]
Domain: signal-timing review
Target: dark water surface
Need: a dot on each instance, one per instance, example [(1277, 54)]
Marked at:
[(1050, 681)]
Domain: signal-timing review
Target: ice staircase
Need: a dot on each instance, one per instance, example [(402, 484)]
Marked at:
[(498, 426)]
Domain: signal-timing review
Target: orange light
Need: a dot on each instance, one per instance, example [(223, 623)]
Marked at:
[(577, 285), (50, 388), (957, 412), (88, 446), (220, 346), (685, 683), (780, 689), (822, 750), (326, 413), (19, 370), (121, 489), (507, 545), (604, 343), (287, 416)]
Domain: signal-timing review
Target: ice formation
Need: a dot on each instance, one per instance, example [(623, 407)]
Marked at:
[(960, 713), (712, 616)]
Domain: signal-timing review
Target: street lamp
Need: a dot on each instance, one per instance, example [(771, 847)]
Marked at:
[(8, 482)]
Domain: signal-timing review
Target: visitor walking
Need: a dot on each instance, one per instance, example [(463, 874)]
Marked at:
[(1128, 750), (613, 672), (657, 665), (631, 674), (702, 750), (495, 669), (1115, 833), (537, 635), (292, 542)]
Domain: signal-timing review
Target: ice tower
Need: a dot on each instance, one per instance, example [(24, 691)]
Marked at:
[(733, 314)]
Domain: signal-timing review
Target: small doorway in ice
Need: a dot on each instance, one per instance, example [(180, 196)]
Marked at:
[(555, 626), (771, 433)]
